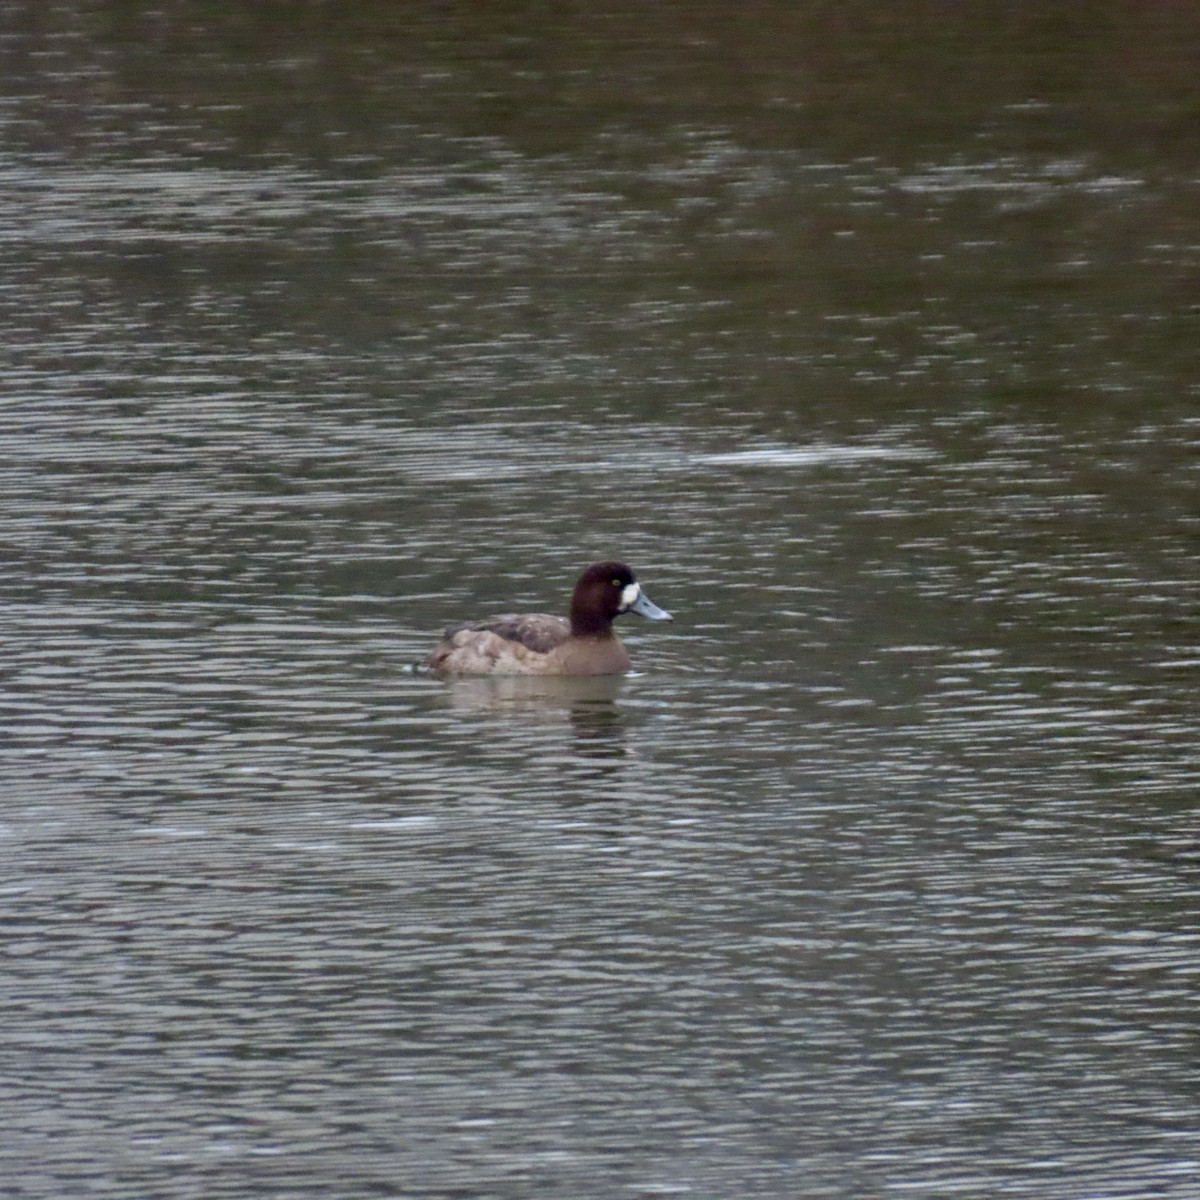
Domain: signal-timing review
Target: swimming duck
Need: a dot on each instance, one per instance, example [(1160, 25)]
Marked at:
[(541, 644)]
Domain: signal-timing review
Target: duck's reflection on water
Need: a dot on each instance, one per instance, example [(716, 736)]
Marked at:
[(587, 703)]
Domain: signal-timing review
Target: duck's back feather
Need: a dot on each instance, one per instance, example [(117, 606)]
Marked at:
[(513, 642), (539, 632)]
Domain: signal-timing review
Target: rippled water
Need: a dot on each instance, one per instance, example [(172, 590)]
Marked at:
[(877, 877)]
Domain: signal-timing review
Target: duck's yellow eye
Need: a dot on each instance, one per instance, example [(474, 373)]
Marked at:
[(616, 583)]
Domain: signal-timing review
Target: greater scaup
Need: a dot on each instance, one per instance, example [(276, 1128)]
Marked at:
[(541, 644)]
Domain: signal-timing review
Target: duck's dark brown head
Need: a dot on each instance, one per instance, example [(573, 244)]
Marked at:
[(605, 591)]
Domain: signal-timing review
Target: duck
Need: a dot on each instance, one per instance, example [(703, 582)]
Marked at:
[(542, 644)]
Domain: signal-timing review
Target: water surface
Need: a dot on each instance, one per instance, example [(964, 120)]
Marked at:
[(876, 878)]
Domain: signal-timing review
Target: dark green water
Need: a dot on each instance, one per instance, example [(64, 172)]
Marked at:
[(868, 334)]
